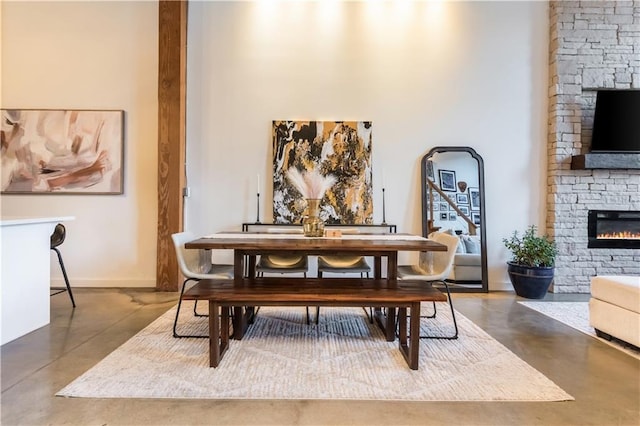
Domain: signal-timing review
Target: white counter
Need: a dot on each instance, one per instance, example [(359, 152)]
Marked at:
[(25, 271)]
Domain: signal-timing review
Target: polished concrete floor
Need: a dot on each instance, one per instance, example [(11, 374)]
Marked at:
[(604, 381)]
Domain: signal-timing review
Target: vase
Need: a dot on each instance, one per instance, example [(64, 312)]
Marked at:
[(312, 225)]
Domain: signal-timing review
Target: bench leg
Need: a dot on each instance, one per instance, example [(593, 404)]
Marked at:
[(410, 349), (387, 323), (218, 333)]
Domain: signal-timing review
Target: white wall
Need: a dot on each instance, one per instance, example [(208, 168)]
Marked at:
[(426, 74), (92, 55)]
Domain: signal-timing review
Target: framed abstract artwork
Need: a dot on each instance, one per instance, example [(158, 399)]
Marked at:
[(339, 151), (462, 198), (447, 180), (475, 218), (62, 151), (474, 197)]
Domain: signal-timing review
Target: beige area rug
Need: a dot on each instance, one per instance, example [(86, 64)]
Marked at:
[(576, 315), (344, 357)]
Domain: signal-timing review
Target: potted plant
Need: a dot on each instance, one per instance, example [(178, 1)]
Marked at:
[(532, 267)]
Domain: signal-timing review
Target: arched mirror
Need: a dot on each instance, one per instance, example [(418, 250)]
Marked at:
[(453, 202)]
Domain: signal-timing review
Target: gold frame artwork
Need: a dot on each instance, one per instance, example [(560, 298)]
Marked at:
[(339, 149)]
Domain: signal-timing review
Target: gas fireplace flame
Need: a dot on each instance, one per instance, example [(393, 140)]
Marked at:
[(625, 235)]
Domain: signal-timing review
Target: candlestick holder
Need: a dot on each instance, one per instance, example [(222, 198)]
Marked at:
[(384, 215), (257, 207)]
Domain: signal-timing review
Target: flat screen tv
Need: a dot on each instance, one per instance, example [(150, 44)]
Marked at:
[(616, 123)]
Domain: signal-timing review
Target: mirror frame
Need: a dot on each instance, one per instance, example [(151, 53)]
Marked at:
[(484, 288)]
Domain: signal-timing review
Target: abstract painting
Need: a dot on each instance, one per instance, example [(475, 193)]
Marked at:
[(62, 151), (341, 149)]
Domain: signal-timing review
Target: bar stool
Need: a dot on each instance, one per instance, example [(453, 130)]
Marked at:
[(57, 238)]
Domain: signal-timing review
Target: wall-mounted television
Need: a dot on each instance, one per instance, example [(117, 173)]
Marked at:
[(616, 123)]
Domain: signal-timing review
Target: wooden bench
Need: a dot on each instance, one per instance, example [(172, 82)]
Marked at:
[(402, 294)]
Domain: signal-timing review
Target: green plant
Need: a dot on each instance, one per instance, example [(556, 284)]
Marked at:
[(531, 250)]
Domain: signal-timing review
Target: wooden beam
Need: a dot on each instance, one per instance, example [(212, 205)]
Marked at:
[(172, 63)]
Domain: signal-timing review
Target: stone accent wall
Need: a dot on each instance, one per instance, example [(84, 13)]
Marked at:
[(593, 45)]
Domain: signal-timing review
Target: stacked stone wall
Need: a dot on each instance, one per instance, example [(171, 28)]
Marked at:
[(593, 45)]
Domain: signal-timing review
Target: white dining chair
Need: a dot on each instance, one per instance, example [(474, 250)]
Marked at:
[(195, 265), (434, 267)]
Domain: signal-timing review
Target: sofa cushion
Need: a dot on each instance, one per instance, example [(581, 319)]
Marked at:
[(471, 243), (466, 259), (619, 290)]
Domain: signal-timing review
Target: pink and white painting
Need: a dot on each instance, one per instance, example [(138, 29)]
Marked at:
[(62, 151)]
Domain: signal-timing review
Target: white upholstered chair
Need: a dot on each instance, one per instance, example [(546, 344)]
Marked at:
[(343, 264), (434, 267), (195, 265)]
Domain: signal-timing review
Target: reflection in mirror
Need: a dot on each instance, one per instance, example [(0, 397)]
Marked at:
[(453, 202)]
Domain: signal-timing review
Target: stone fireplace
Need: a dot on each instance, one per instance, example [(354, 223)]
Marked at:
[(593, 45)]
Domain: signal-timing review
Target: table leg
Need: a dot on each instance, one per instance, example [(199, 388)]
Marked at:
[(414, 330), (218, 333), (387, 322), (224, 330), (410, 349), (377, 267), (239, 323), (239, 318)]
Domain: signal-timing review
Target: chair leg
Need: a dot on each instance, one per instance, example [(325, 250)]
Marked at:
[(175, 322), (195, 311), (370, 313), (434, 312), (453, 317), (64, 274)]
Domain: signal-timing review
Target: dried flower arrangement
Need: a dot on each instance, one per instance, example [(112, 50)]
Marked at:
[(311, 184)]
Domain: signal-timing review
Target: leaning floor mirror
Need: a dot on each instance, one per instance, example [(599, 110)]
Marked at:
[(452, 184)]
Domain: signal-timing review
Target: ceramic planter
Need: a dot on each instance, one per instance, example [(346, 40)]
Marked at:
[(530, 282)]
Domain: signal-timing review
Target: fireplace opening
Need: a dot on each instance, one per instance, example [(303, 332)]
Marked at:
[(614, 229)]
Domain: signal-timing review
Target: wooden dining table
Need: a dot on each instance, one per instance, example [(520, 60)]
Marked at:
[(246, 246)]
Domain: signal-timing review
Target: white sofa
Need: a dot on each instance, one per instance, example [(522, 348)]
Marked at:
[(614, 307), (467, 264)]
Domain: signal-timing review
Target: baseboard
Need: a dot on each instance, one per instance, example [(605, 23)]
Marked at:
[(89, 283)]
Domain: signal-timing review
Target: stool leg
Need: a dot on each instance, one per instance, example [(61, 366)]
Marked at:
[(64, 274)]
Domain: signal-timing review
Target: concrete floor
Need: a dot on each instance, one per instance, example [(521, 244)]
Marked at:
[(604, 381)]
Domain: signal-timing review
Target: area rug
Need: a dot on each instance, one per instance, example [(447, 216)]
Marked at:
[(576, 315), (343, 357)]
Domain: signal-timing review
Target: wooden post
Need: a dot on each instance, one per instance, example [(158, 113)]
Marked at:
[(172, 63)]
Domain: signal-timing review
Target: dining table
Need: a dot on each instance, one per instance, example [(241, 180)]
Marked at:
[(247, 246)]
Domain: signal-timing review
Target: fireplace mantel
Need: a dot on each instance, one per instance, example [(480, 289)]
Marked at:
[(606, 160)]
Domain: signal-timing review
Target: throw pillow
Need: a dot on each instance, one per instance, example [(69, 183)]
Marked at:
[(471, 244)]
